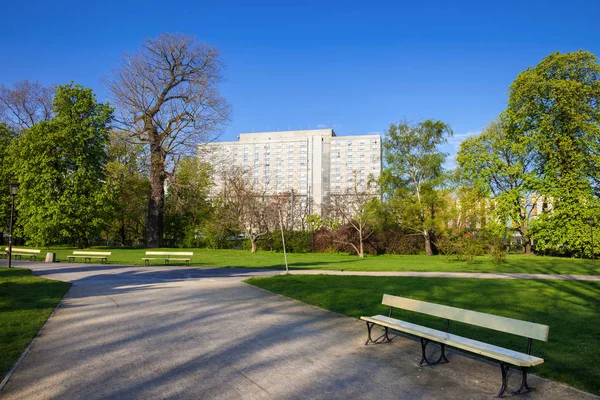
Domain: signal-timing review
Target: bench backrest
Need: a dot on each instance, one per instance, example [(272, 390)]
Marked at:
[(92, 253), (503, 324), (169, 253), (15, 250)]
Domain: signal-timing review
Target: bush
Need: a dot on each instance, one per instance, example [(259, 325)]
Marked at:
[(461, 247), (497, 250), (295, 241)]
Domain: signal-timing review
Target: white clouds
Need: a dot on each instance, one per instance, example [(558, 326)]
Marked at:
[(453, 146)]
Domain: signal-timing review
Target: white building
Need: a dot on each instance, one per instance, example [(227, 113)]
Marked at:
[(313, 163)]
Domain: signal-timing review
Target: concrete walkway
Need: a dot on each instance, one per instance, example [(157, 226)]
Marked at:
[(472, 275), (190, 333)]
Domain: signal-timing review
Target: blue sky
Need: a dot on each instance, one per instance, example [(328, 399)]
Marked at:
[(357, 65)]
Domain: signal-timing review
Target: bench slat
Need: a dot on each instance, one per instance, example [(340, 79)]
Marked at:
[(24, 251), (169, 253), (86, 256), (92, 253), (474, 346), (503, 324)]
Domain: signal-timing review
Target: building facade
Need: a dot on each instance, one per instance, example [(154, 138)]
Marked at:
[(314, 164)]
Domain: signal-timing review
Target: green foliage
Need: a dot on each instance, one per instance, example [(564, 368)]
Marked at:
[(544, 149), (60, 166), (295, 241), (127, 190), (413, 175), (566, 229), (7, 135), (497, 250), (461, 247), (499, 166), (556, 107), (186, 204)]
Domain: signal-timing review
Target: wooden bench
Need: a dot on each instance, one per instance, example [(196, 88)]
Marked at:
[(19, 253), (89, 255), (168, 256), (506, 357)]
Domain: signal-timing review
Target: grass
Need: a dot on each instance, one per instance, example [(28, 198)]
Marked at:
[(334, 261), (26, 302), (571, 309)]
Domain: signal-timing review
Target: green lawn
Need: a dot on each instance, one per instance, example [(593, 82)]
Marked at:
[(571, 309), (26, 302), (264, 259)]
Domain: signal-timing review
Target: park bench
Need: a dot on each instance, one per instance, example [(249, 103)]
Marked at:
[(89, 255), (506, 357), (19, 253), (168, 256)]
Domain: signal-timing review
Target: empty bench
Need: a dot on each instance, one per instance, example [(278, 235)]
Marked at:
[(506, 357), (19, 253), (168, 256), (89, 255)]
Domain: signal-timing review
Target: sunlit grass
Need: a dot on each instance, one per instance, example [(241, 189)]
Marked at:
[(335, 261)]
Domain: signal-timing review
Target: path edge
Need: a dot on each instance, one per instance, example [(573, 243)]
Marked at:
[(26, 351)]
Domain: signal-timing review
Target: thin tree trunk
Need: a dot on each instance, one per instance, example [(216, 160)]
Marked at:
[(156, 206), (253, 244), (361, 252)]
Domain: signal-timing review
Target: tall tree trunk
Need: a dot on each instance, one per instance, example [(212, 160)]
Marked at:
[(253, 244), (526, 245), (156, 206), (428, 246), (122, 233)]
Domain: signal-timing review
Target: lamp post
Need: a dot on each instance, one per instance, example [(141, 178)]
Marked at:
[(14, 189), (591, 222)]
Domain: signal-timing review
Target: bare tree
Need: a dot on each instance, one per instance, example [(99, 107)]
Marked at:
[(168, 98), (351, 207), (26, 104), (248, 204)]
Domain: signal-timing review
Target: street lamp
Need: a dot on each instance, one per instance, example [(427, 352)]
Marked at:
[(14, 189), (591, 222)]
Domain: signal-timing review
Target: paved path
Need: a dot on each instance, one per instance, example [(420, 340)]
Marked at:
[(475, 275), (190, 333)]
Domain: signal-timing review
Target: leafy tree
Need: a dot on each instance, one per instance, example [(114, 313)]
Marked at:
[(128, 188), (7, 135), (413, 175), (187, 203), (501, 168), (555, 107), (168, 98), (60, 166), (565, 229)]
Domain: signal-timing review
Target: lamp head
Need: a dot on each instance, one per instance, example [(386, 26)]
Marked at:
[(14, 188)]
